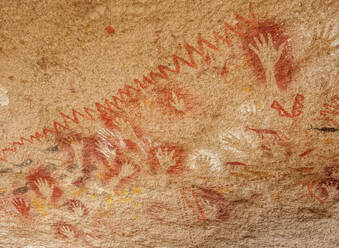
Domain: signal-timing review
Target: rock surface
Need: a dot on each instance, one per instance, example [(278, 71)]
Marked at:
[(169, 123)]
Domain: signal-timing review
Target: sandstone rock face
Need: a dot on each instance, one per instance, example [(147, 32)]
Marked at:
[(169, 124)]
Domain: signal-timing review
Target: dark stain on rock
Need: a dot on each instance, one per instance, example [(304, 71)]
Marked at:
[(325, 129), (25, 163), (307, 214), (20, 190), (52, 149), (6, 170)]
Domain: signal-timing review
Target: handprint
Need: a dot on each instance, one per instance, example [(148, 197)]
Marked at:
[(21, 206), (67, 232), (177, 103), (166, 159), (266, 52), (71, 144), (321, 43), (268, 57), (330, 111), (327, 190), (205, 161), (126, 130), (107, 150), (5, 205), (237, 142), (44, 188), (78, 208), (332, 191), (126, 170), (70, 139)]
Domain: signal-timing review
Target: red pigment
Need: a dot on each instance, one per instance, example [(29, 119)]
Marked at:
[(42, 173), (165, 98), (217, 199), (296, 109), (58, 228), (224, 70), (72, 203), (110, 30), (91, 154), (21, 205), (178, 155), (127, 180), (283, 68)]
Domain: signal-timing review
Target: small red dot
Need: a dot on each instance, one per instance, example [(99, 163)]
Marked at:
[(110, 30)]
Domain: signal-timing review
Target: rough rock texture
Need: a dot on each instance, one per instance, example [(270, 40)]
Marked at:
[(177, 123)]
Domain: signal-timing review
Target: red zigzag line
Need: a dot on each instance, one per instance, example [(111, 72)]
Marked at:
[(124, 93)]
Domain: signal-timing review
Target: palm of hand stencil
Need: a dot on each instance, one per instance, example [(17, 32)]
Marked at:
[(166, 159), (126, 130), (127, 169), (44, 188), (79, 210), (238, 142), (21, 206), (67, 232), (322, 42), (268, 56), (206, 163)]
